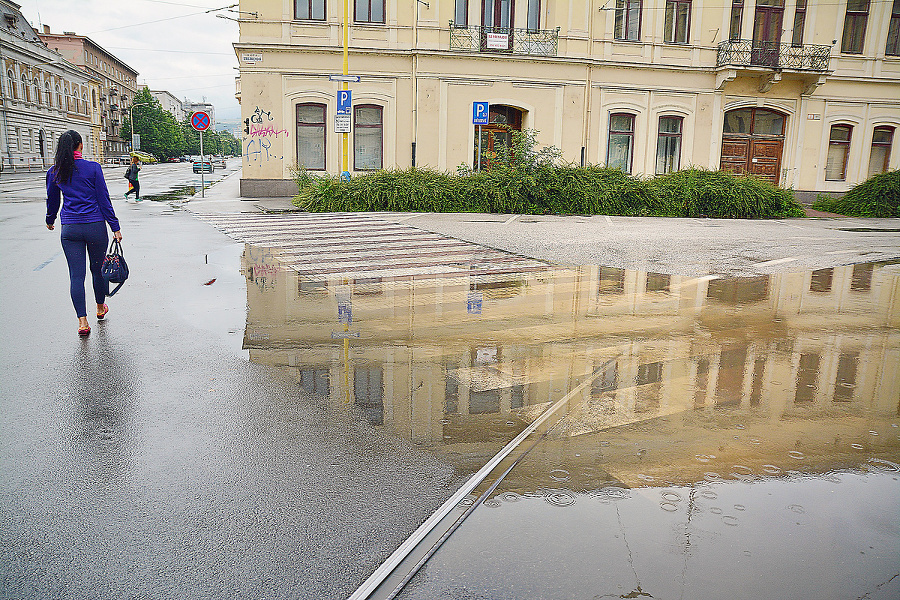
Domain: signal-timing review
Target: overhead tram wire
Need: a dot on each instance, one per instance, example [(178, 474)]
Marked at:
[(211, 10)]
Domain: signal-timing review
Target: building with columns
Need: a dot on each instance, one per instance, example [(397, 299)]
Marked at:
[(800, 92), (41, 95)]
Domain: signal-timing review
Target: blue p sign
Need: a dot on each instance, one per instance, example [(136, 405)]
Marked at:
[(480, 113), (344, 101)]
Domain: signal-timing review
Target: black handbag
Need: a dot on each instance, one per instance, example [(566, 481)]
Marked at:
[(114, 268)]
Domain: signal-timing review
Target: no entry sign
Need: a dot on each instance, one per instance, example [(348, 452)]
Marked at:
[(200, 121)]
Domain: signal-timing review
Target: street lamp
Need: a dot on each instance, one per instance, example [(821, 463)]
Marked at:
[(131, 120)]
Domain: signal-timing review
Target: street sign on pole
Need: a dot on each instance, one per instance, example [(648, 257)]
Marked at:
[(136, 141), (344, 101), (200, 121), (480, 113), (342, 123), (353, 78)]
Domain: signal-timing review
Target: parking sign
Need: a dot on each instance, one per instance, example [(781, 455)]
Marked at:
[(345, 101), (480, 113)]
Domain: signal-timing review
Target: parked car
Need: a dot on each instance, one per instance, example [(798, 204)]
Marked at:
[(220, 162), (203, 166)]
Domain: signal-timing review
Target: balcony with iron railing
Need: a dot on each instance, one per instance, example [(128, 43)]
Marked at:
[(772, 55), (504, 40)]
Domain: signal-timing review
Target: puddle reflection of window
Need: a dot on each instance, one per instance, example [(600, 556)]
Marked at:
[(649, 373), (807, 374), (487, 355), (314, 381), (612, 280), (311, 285), (739, 290), (862, 277), (607, 381), (658, 282), (368, 393), (759, 368), (730, 385), (485, 402), (702, 382), (821, 280), (367, 287), (451, 394), (845, 382), (517, 396)]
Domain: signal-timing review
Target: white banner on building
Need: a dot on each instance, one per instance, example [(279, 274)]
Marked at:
[(498, 41)]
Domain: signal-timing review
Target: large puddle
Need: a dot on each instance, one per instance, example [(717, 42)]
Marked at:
[(706, 437)]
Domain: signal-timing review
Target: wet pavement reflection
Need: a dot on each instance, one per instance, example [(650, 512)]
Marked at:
[(699, 437)]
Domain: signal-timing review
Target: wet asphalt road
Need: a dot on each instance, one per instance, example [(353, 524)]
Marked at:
[(152, 460)]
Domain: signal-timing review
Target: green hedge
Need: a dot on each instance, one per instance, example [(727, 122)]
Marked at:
[(878, 196), (546, 189)]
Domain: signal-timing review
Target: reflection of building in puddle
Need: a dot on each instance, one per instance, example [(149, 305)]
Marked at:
[(462, 363)]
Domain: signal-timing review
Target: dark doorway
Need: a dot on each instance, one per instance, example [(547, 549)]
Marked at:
[(497, 134), (752, 142)]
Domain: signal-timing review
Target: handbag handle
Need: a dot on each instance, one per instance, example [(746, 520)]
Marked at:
[(116, 248)]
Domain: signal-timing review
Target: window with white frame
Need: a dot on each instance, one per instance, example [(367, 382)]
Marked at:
[(628, 20), (838, 151), (311, 136), (309, 10), (461, 13), (534, 15), (678, 21), (855, 26), (879, 159), (799, 23), (620, 147), (368, 141), (737, 17), (369, 11), (668, 145), (892, 48)]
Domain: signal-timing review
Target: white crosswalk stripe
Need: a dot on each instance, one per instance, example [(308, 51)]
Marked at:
[(361, 245)]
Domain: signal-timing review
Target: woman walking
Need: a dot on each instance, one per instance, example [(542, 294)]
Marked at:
[(132, 176), (86, 209)]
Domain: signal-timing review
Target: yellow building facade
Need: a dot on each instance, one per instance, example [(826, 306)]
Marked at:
[(804, 93)]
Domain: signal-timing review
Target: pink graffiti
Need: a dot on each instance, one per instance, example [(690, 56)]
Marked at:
[(266, 130), (263, 270)]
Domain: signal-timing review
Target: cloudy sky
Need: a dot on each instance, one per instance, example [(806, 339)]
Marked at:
[(174, 46)]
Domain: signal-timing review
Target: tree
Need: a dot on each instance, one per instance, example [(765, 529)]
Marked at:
[(159, 131)]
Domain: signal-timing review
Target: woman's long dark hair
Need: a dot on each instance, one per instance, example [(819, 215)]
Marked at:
[(64, 161)]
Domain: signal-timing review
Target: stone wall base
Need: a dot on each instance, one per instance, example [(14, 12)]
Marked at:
[(268, 188)]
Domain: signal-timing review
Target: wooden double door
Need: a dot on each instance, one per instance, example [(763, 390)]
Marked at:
[(753, 142)]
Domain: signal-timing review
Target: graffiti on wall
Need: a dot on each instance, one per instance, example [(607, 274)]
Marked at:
[(260, 131)]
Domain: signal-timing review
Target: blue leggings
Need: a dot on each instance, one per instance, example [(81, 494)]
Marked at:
[(79, 239)]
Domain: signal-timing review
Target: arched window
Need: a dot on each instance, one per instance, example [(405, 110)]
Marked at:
[(84, 103), (668, 145), (26, 95), (36, 91), (880, 157), (11, 85), (311, 135), (838, 151), (59, 100), (620, 148), (368, 141), (48, 94)]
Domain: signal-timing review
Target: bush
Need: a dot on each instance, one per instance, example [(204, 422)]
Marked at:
[(722, 195), (522, 180), (878, 196)]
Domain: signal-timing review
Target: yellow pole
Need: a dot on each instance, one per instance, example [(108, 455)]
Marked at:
[(346, 85)]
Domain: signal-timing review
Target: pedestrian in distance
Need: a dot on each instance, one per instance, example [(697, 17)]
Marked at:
[(86, 210), (132, 176)]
